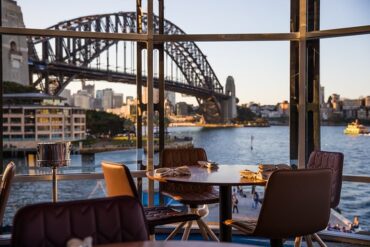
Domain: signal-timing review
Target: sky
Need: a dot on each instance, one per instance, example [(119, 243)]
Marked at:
[(260, 69)]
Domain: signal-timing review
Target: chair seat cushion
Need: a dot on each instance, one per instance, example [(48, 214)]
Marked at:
[(165, 215), (194, 198), (246, 226)]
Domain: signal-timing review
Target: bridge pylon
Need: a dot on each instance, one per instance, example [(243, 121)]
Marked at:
[(228, 106)]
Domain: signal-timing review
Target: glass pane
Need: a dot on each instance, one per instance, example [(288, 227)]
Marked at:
[(207, 16), (344, 13)]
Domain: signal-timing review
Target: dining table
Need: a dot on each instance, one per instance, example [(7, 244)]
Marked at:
[(225, 177), (175, 244)]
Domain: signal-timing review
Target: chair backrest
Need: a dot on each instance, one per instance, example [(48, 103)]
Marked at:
[(106, 220), (118, 180), (296, 203), (334, 161), (174, 157), (6, 182)]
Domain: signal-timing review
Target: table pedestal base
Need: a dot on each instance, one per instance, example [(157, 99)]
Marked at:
[(225, 213)]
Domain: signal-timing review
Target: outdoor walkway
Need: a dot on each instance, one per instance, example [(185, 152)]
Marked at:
[(246, 211)]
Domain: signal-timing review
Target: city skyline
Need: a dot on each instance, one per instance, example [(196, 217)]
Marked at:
[(260, 69)]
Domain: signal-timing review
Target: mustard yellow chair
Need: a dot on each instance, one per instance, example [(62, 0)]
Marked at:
[(6, 182), (119, 182)]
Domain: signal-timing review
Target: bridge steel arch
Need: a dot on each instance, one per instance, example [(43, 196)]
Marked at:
[(68, 59)]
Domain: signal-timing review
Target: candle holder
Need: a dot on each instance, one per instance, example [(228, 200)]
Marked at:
[(53, 155)]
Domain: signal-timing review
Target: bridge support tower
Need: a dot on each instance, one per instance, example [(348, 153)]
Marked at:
[(228, 106)]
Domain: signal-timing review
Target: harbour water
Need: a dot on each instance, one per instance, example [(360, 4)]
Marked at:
[(225, 146)]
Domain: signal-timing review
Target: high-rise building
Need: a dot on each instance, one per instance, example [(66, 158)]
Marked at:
[(117, 100), (99, 94), (82, 99), (90, 89), (66, 93), (107, 100), (97, 104)]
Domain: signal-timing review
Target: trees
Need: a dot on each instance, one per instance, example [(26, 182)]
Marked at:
[(13, 87), (244, 114), (104, 123)]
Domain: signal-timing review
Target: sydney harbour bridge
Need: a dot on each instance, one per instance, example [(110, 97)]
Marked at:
[(57, 61)]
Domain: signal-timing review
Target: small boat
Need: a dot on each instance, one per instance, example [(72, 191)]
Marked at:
[(355, 128)]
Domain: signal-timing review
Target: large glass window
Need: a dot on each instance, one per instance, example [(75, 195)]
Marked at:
[(99, 105)]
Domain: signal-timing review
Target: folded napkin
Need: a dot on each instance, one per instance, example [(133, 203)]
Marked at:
[(264, 170), (208, 164), (265, 167), (172, 172), (248, 174)]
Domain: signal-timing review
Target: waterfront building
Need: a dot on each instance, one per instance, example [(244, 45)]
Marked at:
[(363, 114), (14, 48), (350, 107), (41, 119)]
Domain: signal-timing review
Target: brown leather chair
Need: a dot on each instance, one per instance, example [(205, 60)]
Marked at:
[(334, 161), (296, 203), (119, 181), (192, 195), (6, 182), (106, 220)]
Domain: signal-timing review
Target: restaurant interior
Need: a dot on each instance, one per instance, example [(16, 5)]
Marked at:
[(298, 198)]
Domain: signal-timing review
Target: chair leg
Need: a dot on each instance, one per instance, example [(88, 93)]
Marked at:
[(276, 242), (297, 241), (209, 231), (202, 230), (319, 240), (308, 240), (175, 231), (185, 236)]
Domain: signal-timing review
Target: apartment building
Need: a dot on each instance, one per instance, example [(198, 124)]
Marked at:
[(25, 125)]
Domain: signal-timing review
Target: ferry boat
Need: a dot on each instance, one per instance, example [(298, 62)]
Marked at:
[(355, 128)]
